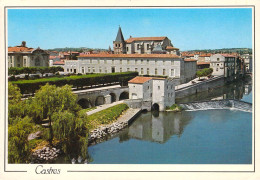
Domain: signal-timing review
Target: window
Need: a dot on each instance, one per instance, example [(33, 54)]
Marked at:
[(171, 94), (148, 87), (88, 69), (148, 46), (217, 69), (120, 61), (120, 69), (171, 86), (128, 62), (142, 70), (155, 71), (37, 62), (142, 61), (116, 45), (163, 62), (151, 94), (105, 70), (24, 62), (68, 70), (82, 70), (136, 70), (100, 70), (217, 59), (126, 48), (93, 69), (75, 71), (71, 70), (128, 69), (163, 71), (158, 87), (172, 72), (217, 64), (138, 46), (135, 61), (148, 71)]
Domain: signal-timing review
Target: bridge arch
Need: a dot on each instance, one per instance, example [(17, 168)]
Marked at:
[(85, 103), (113, 97), (124, 95), (155, 107), (100, 100)]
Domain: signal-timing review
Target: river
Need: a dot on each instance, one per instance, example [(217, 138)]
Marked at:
[(220, 136), (189, 137)]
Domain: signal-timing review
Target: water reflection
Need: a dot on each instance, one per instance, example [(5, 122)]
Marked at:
[(235, 90), (156, 127)]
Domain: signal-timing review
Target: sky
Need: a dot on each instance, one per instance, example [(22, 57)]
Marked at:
[(188, 29)]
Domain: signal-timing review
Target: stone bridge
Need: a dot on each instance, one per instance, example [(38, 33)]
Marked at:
[(104, 95)]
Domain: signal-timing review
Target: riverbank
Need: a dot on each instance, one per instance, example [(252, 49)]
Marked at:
[(104, 132)]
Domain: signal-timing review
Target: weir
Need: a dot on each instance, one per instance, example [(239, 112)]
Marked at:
[(218, 104)]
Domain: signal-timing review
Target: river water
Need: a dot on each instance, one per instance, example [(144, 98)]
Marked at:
[(188, 137)]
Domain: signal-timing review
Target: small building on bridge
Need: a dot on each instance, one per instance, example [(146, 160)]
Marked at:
[(160, 92)]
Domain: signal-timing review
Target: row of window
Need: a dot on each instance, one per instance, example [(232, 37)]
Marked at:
[(93, 70), (128, 61)]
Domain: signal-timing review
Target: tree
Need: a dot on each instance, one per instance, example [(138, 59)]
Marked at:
[(18, 145), (199, 74), (49, 101)]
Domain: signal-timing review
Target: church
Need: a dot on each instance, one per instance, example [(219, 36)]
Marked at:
[(143, 45), (153, 56)]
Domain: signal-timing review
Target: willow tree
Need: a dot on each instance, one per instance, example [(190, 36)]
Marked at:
[(59, 106)]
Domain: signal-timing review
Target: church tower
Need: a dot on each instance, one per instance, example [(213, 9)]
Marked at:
[(119, 43)]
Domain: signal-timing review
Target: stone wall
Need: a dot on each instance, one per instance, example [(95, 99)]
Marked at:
[(139, 103), (200, 87)]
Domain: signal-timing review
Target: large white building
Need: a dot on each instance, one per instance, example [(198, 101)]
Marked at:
[(169, 65), (23, 56), (159, 91)]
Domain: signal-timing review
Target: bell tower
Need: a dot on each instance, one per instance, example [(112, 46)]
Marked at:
[(119, 43)]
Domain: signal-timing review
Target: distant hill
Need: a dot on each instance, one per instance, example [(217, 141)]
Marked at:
[(80, 49), (225, 50)]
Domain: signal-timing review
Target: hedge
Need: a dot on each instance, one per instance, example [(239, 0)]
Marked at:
[(30, 86), (32, 70), (106, 116)]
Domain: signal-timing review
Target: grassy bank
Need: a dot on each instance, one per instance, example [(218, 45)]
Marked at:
[(106, 116), (175, 108)]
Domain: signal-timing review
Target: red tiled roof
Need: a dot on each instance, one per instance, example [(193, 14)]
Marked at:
[(19, 49), (228, 55), (190, 60), (205, 55), (59, 63), (145, 39), (170, 47), (140, 80), (131, 55), (190, 55), (53, 57), (202, 63)]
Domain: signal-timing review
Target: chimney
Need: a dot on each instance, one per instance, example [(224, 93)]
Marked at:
[(23, 44), (130, 36)]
